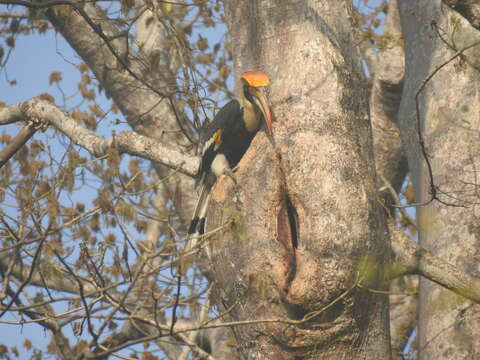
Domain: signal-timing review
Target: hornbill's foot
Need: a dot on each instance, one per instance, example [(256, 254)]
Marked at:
[(230, 174)]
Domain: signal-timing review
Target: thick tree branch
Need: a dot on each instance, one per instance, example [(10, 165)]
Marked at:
[(469, 9), (411, 258), (11, 115), (126, 142)]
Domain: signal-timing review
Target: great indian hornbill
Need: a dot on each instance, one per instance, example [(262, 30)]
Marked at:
[(226, 139)]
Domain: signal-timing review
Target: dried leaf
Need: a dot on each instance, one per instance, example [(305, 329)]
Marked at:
[(113, 159), (14, 25), (76, 115), (80, 207), (167, 7), (52, 205), (205, 59), (47, 97), (55, 77), (27, 344), (83, 67), (88, 94), (103, 200), (110, 240), (114, 108), (224, 71), (96, 110), (202, 43), (147, 355), (5, 138), (10, 41), (3, 350), (86, 79)]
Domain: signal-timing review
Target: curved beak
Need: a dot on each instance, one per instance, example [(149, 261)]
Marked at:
[(260, 101)]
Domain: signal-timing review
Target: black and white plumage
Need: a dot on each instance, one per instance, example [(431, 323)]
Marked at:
[(226, 139)]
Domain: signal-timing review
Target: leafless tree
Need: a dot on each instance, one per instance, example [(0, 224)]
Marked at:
[(308, 248)]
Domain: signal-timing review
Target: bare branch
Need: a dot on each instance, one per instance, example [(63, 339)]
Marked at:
[(7, 15), (126, 142), (11, 114), (22, 137), (396, 199), (411, 258), (27, 279), (131, 335), (59, 283)]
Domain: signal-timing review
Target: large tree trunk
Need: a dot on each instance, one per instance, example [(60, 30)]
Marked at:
[(308, 196), (448, 109)]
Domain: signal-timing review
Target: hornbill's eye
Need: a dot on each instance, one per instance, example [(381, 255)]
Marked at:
[(247, 94)]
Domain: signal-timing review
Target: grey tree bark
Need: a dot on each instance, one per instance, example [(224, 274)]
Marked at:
[(449, 121)]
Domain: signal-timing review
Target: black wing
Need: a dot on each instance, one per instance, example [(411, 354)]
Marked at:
[(222, 120), (227, 114)]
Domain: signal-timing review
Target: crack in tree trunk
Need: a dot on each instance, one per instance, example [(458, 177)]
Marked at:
[(287, 226)]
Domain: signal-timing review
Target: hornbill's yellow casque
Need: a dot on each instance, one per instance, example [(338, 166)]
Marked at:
[(226, 139)]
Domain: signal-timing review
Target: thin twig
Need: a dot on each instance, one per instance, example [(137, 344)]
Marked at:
[(22, 137)]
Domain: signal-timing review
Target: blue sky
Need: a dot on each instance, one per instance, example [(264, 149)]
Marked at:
[(30, 64)]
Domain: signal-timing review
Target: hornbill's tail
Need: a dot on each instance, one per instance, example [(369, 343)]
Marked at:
[(197, 225)]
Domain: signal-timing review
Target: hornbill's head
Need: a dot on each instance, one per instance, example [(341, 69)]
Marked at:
[(252, 83)]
